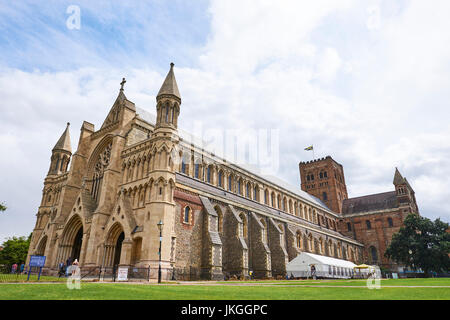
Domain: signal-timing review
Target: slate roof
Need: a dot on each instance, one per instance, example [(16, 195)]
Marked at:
[(373, 202)]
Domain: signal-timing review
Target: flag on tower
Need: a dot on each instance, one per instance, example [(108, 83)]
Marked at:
[(309, 148)]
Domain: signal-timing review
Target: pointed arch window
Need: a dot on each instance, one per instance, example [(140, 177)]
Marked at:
[(183, 166), (390, 222), (187, 214), (99, 168), (208, 174), (196, 170), (229, 182), (220, 179)]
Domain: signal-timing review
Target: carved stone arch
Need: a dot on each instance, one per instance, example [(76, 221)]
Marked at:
[(42, 243), (71, 240)]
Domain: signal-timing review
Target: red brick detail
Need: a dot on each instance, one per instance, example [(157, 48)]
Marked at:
[(187, 199)]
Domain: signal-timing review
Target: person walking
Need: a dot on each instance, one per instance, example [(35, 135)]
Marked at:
[(14, 268), (22, 267)]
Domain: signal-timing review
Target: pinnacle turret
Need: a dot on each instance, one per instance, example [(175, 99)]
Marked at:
[(169, 86), (63, 143)]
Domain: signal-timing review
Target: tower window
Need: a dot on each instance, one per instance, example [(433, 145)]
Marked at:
[(167, 113), (349, 226), (229, 182), (368, 224), (325, 196), (390, 222), (208, 175)]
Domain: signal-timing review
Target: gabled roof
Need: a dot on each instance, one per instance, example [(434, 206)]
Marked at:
[(64, 141), (169, 86), (373, 202)]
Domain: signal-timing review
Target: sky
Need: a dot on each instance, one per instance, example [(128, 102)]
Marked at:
[(366, 82)]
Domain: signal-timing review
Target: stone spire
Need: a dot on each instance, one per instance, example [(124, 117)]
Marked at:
[(398, 178), (169, 86), (63, 143)]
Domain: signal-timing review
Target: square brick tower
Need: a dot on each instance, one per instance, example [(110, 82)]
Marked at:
[(324, 178)]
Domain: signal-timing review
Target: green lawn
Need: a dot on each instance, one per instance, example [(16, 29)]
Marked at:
[(356, 282), (116, 291)]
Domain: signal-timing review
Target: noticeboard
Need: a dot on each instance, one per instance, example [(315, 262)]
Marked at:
[(122, 274), (37, 261)]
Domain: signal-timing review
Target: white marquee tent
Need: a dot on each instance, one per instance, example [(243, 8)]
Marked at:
[(326, 267)]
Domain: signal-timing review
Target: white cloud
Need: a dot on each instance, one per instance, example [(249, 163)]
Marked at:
[(372, 99)]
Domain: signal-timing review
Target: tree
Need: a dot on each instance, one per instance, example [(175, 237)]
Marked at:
[(15, 250), (421, 243), (2, 207)]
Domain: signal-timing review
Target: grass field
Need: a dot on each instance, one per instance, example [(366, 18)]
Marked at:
[(399, 289)]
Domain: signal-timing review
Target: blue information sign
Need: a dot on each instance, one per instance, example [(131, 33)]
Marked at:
[(37, 261)]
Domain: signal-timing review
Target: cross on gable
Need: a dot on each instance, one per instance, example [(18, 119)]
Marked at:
[(122, 83)]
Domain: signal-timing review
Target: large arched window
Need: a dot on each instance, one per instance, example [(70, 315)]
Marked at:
[(102, 162)]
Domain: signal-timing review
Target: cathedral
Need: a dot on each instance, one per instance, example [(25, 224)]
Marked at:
[(137, 177)]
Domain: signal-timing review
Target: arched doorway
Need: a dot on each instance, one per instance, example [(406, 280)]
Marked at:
[(76, 250), (118, 250), (71, 241), (113, 245)]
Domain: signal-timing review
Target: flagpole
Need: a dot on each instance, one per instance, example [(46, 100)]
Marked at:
[(313, 151)]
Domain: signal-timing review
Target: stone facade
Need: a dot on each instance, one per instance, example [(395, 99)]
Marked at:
[(102, 204)]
